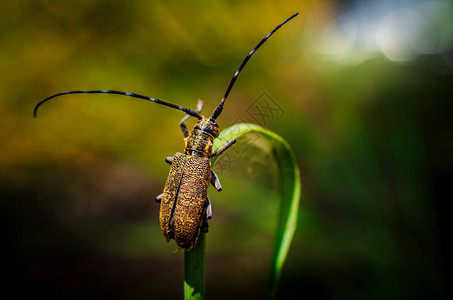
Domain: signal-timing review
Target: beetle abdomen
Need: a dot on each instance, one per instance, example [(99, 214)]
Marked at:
[(184, 199)]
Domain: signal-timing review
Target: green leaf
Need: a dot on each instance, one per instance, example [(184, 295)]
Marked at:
[(289, 191), (288, 185)]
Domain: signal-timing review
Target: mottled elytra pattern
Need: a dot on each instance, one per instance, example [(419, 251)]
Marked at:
[(192, 200), (170, 193), (184, 199)]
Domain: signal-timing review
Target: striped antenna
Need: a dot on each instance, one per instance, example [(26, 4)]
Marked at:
[(188, 111), (219, 108)]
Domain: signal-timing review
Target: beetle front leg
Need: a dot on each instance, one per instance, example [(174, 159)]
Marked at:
[(183, 126), (215, 181), (224, 148)]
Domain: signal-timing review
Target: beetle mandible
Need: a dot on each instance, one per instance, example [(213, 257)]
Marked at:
[(184, 205)]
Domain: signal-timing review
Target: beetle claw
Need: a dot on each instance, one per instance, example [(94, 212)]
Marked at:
[(159, 198)]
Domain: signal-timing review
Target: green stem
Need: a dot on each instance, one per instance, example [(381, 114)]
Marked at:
[(194, 270)]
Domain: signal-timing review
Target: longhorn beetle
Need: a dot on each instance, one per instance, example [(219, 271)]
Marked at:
[(184, 204)]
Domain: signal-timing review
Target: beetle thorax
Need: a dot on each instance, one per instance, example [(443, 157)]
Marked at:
[(199, 142)]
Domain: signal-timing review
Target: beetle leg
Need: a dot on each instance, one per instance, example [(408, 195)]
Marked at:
[(200, 104), (207, 216), (183, 126), (205, 224), (208, 209), (224, 148), (169, 160), (215, 181), (159, 198)]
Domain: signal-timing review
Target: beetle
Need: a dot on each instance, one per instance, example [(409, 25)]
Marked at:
[(184, 205)]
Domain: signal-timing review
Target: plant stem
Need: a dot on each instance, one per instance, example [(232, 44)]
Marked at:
[(194, 270)]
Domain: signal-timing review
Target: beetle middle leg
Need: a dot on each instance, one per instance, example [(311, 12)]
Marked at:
[(159, 198), (183, 126), (169, 159), (215, 181)]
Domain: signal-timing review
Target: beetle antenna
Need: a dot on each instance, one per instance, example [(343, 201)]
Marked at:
[(219, 108), (188, 111)]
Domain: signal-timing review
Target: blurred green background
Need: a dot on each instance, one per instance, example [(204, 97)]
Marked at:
[(360, 89)]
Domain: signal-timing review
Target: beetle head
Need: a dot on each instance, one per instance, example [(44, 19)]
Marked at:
[(208, 125)]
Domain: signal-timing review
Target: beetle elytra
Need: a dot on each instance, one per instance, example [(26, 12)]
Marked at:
[(184, 205)]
